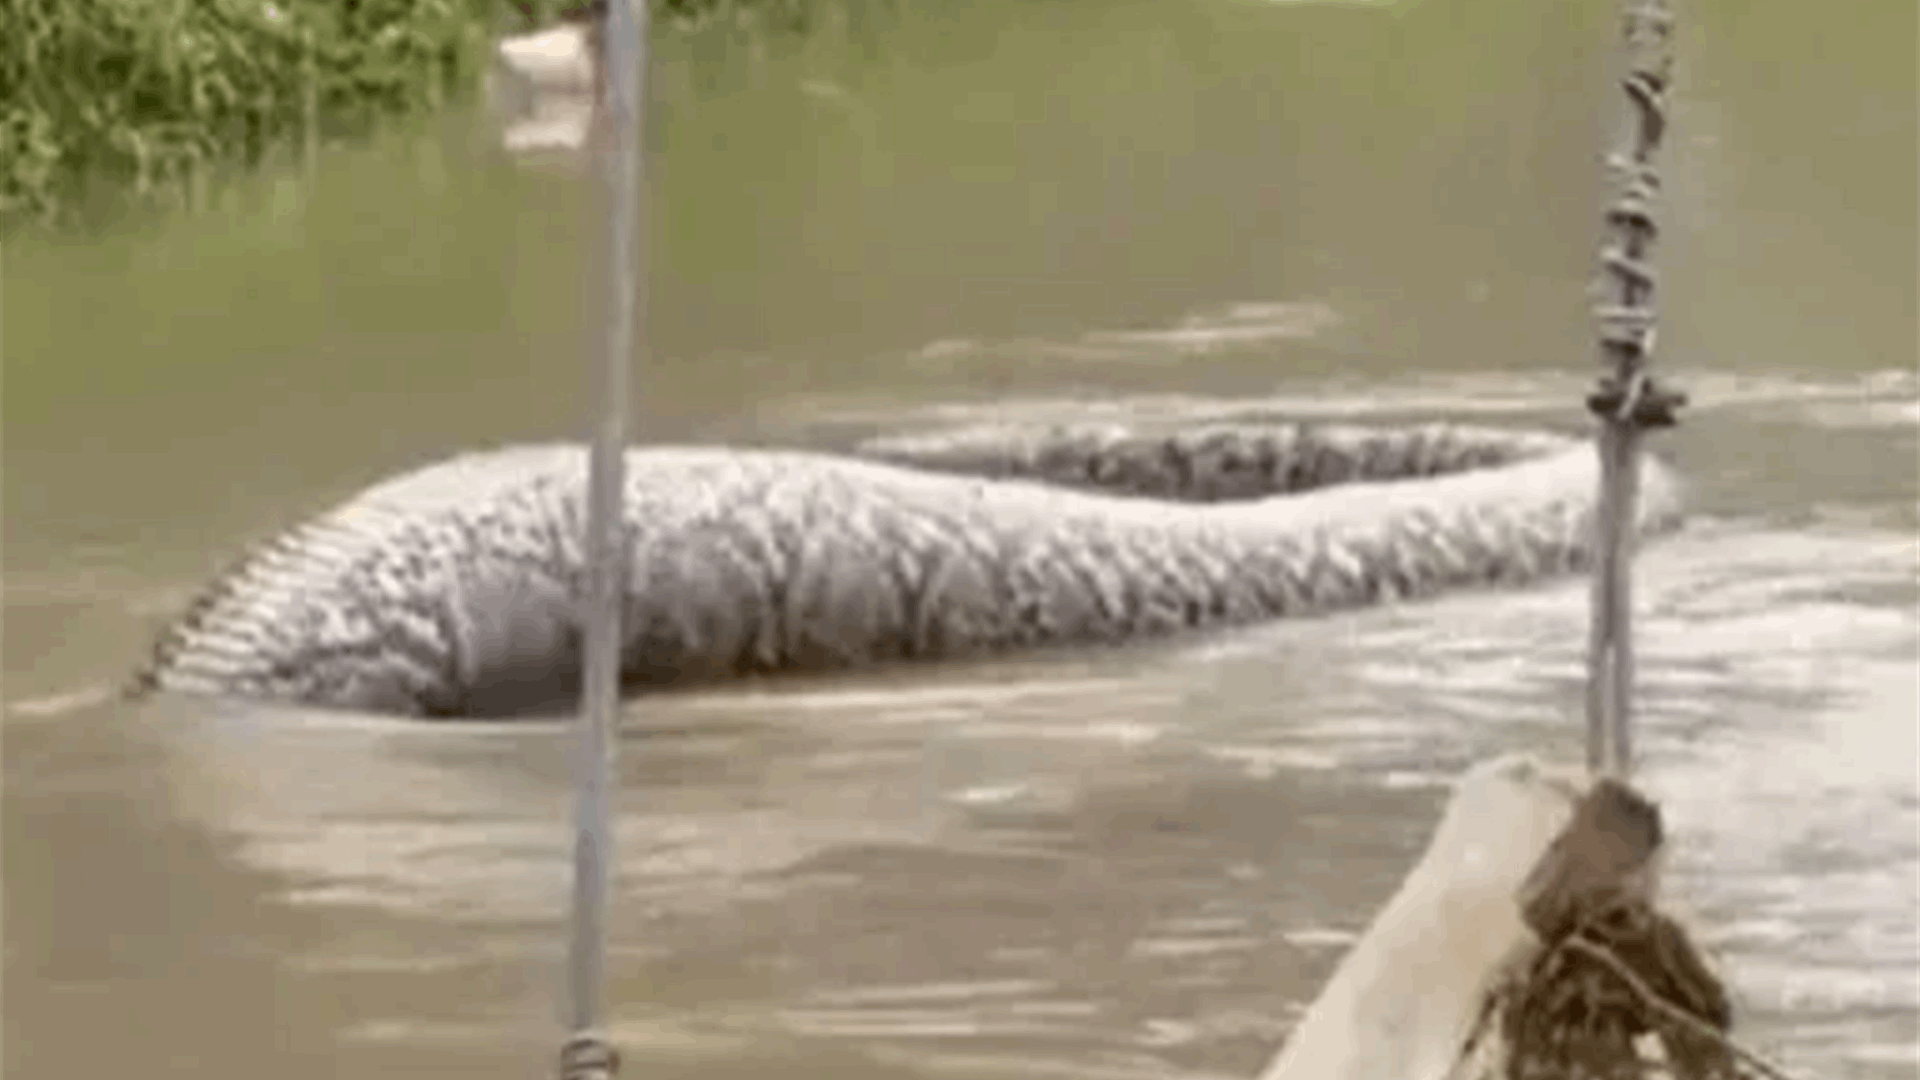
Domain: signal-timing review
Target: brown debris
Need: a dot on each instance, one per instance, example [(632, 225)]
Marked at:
[(1572, 1013)]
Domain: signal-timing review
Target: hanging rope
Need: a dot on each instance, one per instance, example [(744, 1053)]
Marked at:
[(621, 67), (1627, 400)]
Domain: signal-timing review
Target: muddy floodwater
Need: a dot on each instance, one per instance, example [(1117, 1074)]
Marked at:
[(1135, 862)]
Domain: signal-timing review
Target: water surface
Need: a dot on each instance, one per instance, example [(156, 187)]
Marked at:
[(1114, 863)]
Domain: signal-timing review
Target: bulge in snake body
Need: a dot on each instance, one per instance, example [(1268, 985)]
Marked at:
[(450, 591)]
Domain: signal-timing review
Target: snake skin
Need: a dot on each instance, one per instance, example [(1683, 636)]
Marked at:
[(448, 591)]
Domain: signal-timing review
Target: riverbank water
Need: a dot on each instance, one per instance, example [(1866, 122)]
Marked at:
[(1133, 863)]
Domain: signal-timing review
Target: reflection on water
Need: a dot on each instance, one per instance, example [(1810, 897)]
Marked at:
[(1120, 863)]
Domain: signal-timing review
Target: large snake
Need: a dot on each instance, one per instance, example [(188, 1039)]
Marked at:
[(449, 591)]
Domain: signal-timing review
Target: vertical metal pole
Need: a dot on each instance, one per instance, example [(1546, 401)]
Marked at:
[(1626, 401), (617, 145), (1610, 644)]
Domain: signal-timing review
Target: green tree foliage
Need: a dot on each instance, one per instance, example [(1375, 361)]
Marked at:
[(143, 94)]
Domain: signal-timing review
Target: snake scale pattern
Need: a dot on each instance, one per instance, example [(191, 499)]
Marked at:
[(449, 591)]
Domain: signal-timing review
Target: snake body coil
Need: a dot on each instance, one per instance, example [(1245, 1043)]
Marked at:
[(450, 591)]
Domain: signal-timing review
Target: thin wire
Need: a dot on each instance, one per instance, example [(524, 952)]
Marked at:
[(1627, 401), (617, 144)]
